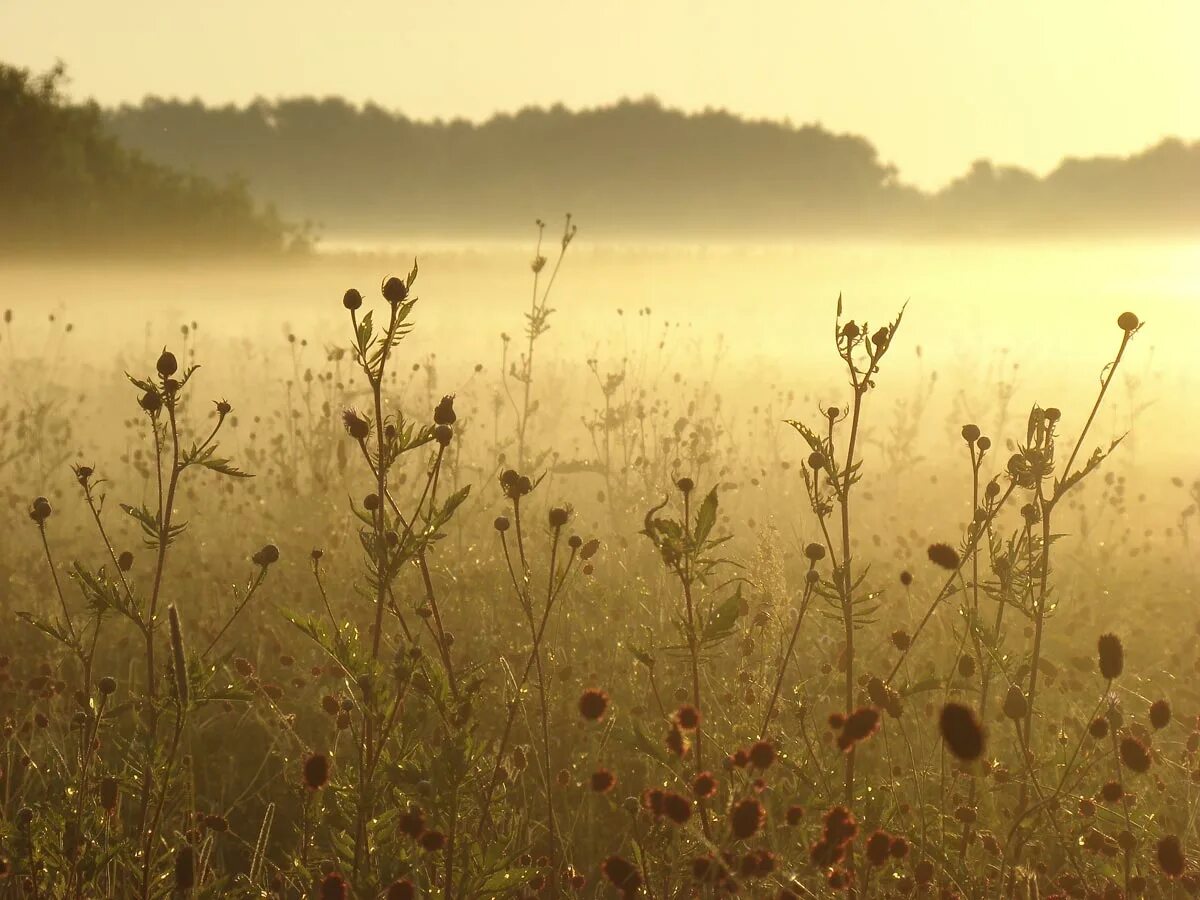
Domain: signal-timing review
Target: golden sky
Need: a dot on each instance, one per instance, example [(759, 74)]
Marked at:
[(934, 85)]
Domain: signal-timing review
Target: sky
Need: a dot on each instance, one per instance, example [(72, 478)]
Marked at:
[(934, 85)]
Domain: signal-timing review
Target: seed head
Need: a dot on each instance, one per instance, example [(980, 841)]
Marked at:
[(443, 413), (704, 786), (1170, 854), (1112, 656), (961, 731), (558, 517), (970, 433), (223, 408), (108, 685), (814, 552), (167, 365), (945, 556), (685, 485), (316, 771), (746, 818), (1135, 754), (125, 561), (623, 875), (394, 290), (687, 717), (40, 510), (1127, 321), (267, 556), (603, 781), (1160, 714), (356, 426), (1015, 705), (352, 299), (593, 703), (443, 434), (762, 754)]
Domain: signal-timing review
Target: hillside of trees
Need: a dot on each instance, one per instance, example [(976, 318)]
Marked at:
[(68, 185), (636, 168)]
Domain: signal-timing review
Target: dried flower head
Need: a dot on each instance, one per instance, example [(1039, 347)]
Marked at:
[(1112, 656), (945, 556), (961, 731), (593, 703), (316, 771), (746, 818)]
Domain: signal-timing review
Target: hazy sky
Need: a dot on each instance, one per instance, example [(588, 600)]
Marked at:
[(934, 85)]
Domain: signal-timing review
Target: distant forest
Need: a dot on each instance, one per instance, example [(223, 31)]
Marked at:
[(635, 168), (67, 184)]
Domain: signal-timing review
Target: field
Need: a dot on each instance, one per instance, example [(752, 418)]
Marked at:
[(765, 571)]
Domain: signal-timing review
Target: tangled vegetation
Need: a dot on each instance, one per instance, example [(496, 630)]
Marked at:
[(501, 672)]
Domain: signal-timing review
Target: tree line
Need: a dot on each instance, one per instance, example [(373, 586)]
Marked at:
[(636, 167)]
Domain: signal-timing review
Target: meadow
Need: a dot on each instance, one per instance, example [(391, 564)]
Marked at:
[(761, 571)]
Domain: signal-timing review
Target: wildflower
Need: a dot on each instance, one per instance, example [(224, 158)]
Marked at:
[(623, 875), (814, 552), (675, 742), (333, 887), (40, 510), (151, 402), (687, 717), (1160, 714), (501, 524), (945, 556), (316, 771), (443, 413), (762, 755), (794, 814), (1015, 704), (900, 640), (356, 426), (677, 808), (704, 786), (433, 841), (685, 485), (746, 818), (558, 517), (879, 846), (858, 726), (603, 781), (906, 580), (1111, 791), (961, 731), (443, 434), (394, 290), (352, 300), (593, 703), (1135, 754), (107, 685), (1098, 728), (1112, 656), (970, 433), (1127, 321), (268, 555), (1170, 856), (125, 561)]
